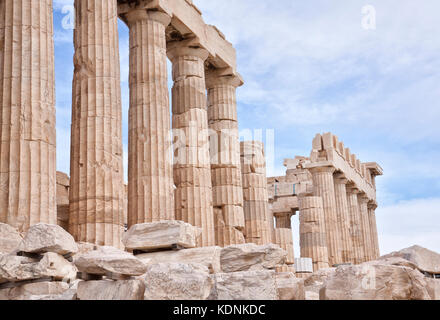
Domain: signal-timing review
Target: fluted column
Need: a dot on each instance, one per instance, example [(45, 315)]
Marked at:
[(97, 190), (225, 158), (365, 223), (258, 222), (27, 114), (343, 218), (192, 167), (283, 236), (150, 168), (313, 240), (373, 228), (324, 187), (355, 225)]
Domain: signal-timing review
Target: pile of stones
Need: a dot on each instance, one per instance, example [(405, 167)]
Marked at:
[(161, 262), (38, 265)]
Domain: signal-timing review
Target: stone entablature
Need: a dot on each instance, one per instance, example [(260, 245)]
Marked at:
[(187, 22), (328, 151)]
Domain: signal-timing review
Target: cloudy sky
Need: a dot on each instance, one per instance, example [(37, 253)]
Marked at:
[(312, 66)]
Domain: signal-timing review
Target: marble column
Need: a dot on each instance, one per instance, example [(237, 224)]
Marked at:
[(355, 225), (365, 226), (258, 224), (313, 240), (150, 168), (283, 236), (324, 187), (343, 218), (192, 167), (373, 228), (225, 157), (97, 189), (27, 114)]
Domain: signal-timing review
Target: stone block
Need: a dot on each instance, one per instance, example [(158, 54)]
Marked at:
[(289, 287), (42, 238), (111, 290), (249, 257), (106, 260), (246, 285), (177, 281), (15, 268), (161, 235), (206, 256)]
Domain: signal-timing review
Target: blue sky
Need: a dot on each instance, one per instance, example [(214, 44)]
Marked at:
[(310, 67)]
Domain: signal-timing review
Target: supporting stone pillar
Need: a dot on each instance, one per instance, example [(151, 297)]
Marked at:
[(259, 226), (97, 189), (225, 157), (313, 240), (27, 114), (365, 225), (355, 225), (373, 228), (324, 187), (343, 218), (192, 168), (150, 169), (283, 236)]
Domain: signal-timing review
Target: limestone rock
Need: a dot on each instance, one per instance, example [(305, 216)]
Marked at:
[(315, 282), (433, 287), (251, 257), (207, 256), (109, 260), (43, 238), (424, 259), (177, 281), (159, 235), (35, 291), (10, 238), (289, 287), (15, 268), (111, 290), (247, 285), (375, 282)]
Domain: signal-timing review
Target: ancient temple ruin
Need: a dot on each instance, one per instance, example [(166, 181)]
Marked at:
[(201, 175)]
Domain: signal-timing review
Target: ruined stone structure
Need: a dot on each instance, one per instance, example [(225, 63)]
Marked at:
[(258, 220), (335, 194), (194, 189)]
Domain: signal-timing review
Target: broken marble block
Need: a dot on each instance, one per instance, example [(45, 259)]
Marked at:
[(161, 235), (52, 265), (10, 238), (177, 281), (42, 238), (207, 256), (289, 287), (107, 260), (36, 291), (111, 290), (249, 256), (375, 281), (246, 285)]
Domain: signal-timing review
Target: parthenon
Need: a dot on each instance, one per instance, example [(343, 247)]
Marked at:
[(195, 193)]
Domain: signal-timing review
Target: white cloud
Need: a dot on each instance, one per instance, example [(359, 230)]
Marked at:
[(409, 223)]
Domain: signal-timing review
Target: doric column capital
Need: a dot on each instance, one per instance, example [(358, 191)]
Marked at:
[(363, 198), (220, 77), (340, 178), (189, 47), (322, 170), (372, 205), (136, 15)]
